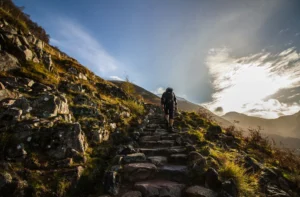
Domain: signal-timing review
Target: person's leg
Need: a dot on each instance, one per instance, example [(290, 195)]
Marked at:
[(166, 115), (171, 116)]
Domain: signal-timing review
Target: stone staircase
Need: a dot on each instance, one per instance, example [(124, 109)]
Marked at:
[(160, 167)]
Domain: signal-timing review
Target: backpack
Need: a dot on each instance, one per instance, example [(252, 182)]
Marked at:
[(169, 96)]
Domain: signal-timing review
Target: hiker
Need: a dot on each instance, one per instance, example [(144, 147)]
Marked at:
[(169, 105)]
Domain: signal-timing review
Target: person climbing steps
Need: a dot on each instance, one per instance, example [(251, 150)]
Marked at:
[(169, 106)]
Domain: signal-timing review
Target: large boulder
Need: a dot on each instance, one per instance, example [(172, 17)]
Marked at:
[(212, 179), (66, 140), (49, 105), (139, 171), (27, 54), (8, 62)]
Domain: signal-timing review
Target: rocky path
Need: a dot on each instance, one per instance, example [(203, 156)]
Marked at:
[(160, 167)]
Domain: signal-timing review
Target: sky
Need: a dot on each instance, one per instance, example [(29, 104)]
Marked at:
[(227, 55)]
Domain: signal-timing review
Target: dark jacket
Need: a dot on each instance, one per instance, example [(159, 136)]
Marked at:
[(163, 99)]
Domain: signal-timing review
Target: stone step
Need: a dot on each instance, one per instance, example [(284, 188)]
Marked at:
[(170, 136), (155, 133), (139, 171), (178, 173), (160, 143), (178, 158), (159, 188), (162, 151), (150, 138), (158, 160), (134, 158), (195, 191)]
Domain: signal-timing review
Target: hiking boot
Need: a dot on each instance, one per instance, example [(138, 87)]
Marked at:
[(167, 124), (171, 129)]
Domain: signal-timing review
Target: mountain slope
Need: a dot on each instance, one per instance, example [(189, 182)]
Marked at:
[(66, 132), (287, 126)]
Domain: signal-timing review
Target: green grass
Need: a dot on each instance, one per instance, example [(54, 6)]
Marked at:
[(13, 20), (38, 72), (247, 184), (135, 108)]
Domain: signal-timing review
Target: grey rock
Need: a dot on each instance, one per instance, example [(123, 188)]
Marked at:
[(230, 187), (39, 44), (23, 104), (72, 70), (212, 179), (8, 62), (194, 156), (40, 88), (49, 105), (67, 137), (5, 94), (11, 114), (139, 171), (199, 191), (24, 41), (112, 182), (27, 54), (2, 87), (48, 62), (159, 188), (274, 191), (134, 158), (158, 160), (5, 178), (252, 165), (82, 76)]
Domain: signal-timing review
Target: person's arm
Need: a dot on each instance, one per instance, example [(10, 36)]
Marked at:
[(175, 101), (162, 100)]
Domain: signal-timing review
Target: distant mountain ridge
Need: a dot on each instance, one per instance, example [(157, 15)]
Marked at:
[(285, 130), (290, 124)]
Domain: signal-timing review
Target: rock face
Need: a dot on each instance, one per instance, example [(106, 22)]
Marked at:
[(67, 140), (50, 105), (8, 62)]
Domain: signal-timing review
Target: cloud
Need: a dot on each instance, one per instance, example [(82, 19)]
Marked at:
[(242, 84), (116, 78), (78, 42), (159, 90), (271, 108)]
